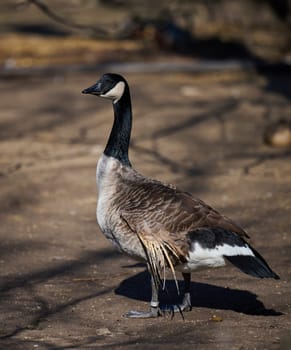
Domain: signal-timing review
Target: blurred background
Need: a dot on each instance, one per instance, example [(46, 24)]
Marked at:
[(39, 32), (211, 90)]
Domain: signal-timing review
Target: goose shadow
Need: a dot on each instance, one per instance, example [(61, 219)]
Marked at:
[(202, 295)]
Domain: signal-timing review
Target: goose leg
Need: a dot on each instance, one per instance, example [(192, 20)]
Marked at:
[(186, 302), (154, 310)]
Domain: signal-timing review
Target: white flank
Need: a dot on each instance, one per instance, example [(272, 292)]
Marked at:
[(116, 92), (200, 257), (105, 188)]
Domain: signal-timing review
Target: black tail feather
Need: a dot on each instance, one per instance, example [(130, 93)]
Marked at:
[(253, 265)]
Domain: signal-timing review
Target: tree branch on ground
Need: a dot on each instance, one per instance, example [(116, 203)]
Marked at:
[(88, 30)]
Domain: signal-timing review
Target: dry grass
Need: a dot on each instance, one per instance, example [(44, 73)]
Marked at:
[(33, 50)]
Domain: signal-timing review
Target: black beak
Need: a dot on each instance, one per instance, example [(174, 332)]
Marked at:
[(94, 89)]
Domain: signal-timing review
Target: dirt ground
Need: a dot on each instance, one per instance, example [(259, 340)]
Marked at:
[(63, 286)]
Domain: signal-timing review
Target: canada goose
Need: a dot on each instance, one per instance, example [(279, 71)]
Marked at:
[(157, 222)]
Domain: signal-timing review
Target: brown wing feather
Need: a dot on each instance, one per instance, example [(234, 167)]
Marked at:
[(161, 216), (152, 207)]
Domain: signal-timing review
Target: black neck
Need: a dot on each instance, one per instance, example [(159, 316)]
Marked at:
[(118, 142)]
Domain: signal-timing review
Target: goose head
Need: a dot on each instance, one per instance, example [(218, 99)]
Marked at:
[(110, 86), (115, 88)]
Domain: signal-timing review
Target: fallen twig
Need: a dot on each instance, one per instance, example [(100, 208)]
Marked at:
[(92, 31)]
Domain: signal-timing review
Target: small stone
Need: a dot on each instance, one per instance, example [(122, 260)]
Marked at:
[(216, 318), (103, 331)]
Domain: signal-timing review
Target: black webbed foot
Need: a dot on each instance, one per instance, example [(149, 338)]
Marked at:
[(156, 311), (183, 307)]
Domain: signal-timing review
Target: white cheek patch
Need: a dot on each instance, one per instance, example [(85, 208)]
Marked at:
[(116, 92)]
